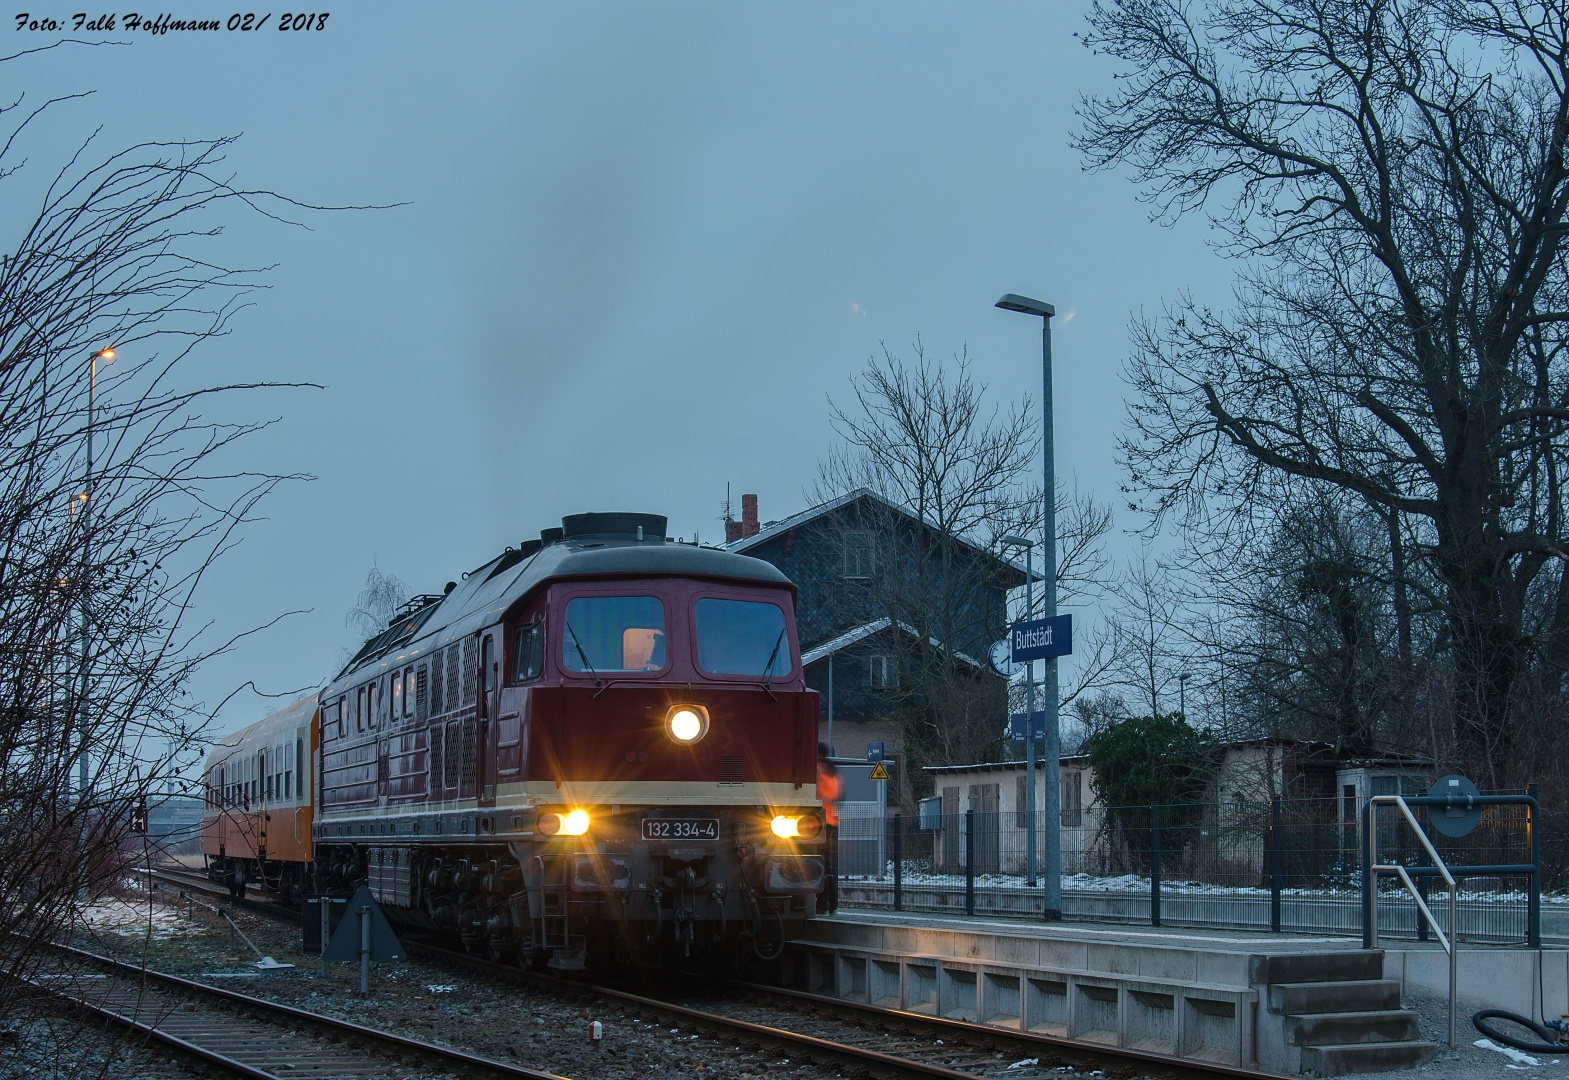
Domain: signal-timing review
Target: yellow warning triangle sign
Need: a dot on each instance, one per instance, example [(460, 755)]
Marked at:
[(878, 772)]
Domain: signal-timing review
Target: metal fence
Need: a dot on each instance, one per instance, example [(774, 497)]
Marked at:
[(1290, 865)]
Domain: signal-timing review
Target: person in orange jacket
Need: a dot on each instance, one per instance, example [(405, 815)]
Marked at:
[(829, 788)]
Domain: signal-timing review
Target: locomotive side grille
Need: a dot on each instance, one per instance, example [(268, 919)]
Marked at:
[(470, 669), (454, 699), (435, 759), (732, 770), (436, 708), (421, 694), (450, 774), (468, 754)]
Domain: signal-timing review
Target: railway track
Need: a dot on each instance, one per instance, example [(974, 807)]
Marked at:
[(846, 1035), (252, 1037)]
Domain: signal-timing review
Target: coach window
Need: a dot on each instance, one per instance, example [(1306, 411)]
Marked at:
[(359, 709), (613, 633), (530, 651), (343, 704), (397, 694), (487, 656), (408, 692)]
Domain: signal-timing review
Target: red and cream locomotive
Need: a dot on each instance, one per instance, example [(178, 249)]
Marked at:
[(599, 745)]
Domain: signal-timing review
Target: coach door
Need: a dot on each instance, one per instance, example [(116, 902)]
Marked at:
[(489, 702)]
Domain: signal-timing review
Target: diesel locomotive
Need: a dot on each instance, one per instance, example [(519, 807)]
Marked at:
[(597, 746)]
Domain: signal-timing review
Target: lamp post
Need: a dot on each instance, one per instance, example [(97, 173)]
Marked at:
[(1049, 690), (107, 356), (1029, 709)]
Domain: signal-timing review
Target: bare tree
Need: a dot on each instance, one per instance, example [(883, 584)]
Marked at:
[(381, 597), (1393, 173), (116, 496), (950, 479)]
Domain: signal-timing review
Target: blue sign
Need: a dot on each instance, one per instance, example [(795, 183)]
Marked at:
[(1016, 727), (874, 751), (1040, 639)]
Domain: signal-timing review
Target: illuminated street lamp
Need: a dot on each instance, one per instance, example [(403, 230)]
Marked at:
[(1052, 871)]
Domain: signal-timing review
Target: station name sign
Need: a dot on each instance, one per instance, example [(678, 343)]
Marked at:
[(1040, 639)]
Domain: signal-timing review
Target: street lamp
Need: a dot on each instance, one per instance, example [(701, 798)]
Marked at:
[(1049, 690), (1029, 708), (107, 355)]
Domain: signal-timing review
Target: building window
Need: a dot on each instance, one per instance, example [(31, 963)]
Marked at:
[(859, 555), (881, 673), (1073, 799)]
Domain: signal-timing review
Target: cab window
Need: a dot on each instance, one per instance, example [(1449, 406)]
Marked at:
[(613, 633), (742, 637), (530, 651)]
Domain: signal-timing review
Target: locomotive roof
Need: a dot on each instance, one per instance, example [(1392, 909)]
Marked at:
[(486, 593)]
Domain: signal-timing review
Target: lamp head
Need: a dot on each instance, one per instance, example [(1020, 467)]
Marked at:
[(1015, 302), (105, 355), (1016, 541)]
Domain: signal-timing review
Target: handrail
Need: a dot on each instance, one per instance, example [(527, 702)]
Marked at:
[(1448, 941)]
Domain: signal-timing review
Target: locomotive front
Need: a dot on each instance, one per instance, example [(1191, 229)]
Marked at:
[(603, 748)]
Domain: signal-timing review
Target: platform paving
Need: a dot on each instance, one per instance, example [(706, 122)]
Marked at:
[(1239, 997)]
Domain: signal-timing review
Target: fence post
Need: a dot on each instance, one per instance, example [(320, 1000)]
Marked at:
[(1534, 905), (969, 862), (898, 862), (1155, 864), (1276, 872), (1369, 895)]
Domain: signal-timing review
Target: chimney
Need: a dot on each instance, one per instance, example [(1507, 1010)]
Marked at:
[(732, 530), (749, 524)]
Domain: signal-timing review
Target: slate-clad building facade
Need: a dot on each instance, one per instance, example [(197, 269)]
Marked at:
[(847, 637)]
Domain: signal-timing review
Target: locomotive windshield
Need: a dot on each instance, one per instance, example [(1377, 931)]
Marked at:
[(613, 633), (742, 637)]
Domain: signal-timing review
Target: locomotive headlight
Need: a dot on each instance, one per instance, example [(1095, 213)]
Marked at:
[(686, 724), (785, 826), (572, 823)]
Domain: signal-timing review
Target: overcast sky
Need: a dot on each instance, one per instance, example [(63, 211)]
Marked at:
[(641, 246)]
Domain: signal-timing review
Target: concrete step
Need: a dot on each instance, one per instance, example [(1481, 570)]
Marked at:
[(1366, 1057), (1345, 1028), (1302, 999), (1347, 965)]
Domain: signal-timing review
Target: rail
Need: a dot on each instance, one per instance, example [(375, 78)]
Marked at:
[(1446, 940)]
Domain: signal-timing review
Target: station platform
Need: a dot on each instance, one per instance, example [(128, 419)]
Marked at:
[(1244, 998)]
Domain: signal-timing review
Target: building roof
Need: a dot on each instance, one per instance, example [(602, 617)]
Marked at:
[(998, 766), (812, 513), (864, 631)]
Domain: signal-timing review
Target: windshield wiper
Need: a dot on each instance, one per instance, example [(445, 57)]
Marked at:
[(581, 654), (768, 668)]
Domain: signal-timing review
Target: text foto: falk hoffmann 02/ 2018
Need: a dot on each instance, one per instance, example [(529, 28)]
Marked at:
[(165, 23)]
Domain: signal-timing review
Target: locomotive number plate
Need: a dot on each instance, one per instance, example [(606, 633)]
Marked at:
[(681, 828)]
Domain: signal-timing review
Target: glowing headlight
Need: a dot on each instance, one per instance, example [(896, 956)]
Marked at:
[(574, 823), (784, 826), (686, 724)]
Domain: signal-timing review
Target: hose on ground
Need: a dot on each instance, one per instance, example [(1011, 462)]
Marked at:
[(1548, 1045)]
